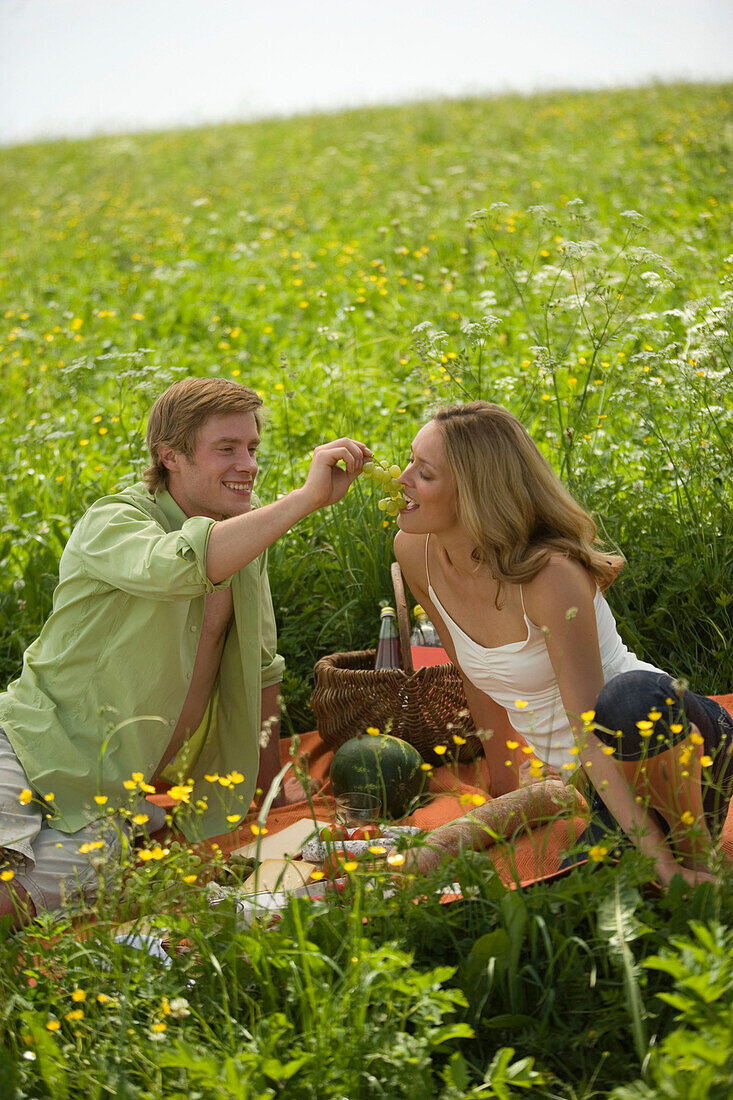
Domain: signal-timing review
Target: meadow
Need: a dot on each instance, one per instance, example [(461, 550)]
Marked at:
[(567, 255)]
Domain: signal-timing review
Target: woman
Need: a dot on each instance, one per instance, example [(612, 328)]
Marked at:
[(506, 564)]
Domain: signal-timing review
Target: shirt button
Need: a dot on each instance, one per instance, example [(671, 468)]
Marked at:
[(193, 629), (172, 722)]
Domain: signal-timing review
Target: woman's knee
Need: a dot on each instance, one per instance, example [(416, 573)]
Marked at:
[(640, 713)]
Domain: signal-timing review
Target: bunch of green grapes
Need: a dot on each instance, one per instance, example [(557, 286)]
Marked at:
[(387, 476)]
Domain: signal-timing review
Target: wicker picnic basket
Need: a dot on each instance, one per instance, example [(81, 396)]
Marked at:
[(425, 706)]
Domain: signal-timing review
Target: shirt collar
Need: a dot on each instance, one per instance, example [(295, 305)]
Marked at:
[(173, 512)]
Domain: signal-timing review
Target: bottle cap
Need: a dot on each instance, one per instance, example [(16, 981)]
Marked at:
[(387, 610), (419, 611)]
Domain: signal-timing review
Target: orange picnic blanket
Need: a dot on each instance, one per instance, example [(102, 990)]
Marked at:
[(528, 859)]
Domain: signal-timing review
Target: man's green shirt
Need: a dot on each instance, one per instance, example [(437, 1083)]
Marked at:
[(103, 686)]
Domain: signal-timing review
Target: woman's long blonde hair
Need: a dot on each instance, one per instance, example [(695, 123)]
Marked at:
[(510, 500)]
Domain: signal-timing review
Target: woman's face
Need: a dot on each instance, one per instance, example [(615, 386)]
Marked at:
[(428, 486)]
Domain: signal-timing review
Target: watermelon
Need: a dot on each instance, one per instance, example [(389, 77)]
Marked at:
[(381, 765)]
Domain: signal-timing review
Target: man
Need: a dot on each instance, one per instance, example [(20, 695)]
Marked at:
[(160, 652)]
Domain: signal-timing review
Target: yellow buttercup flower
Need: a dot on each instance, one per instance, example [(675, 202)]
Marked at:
[(78, 995), (440, 750), (655, 715), (138, 777), (687, 818), (100, 799), (706, 761), (189, 879), (521, 703), (350, 865), (140, 819), (458, 740), (695, 737), (372, 731), (512, 744), (7, 876), (234, 818), (25, 797), (180, 793), (257, 830), (53, 1025), (588, 715), (598, 853)]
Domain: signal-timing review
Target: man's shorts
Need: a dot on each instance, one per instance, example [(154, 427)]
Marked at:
[(57, 870)]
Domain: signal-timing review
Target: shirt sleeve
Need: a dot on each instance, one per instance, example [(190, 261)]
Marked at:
[(272, 664), (122, 546)]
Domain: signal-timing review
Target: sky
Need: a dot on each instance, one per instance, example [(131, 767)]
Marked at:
[(78, 67)]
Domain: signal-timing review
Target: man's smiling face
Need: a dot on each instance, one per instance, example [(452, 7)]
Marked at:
[(217, 480)]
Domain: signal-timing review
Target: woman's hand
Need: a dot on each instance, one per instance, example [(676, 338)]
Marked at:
[(693, 876)]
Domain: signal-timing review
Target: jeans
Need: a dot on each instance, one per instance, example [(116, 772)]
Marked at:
[(630, 698)]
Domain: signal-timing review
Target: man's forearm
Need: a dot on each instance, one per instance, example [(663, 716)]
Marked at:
[(234, 543)]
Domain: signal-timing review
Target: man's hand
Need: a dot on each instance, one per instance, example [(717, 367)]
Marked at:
[(333, 468)]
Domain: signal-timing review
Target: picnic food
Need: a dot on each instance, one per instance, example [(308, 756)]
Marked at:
[(381, 765), (279, 874), (366, 832), (535, 804), (334, 832), (387, 476)]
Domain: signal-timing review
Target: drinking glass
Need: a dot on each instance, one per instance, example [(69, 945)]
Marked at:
[(354, 809)]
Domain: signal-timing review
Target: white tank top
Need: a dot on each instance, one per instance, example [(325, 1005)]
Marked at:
[(523, 671)]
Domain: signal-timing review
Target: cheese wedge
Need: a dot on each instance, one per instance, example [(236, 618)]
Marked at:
[(279, 875), (280, 845)]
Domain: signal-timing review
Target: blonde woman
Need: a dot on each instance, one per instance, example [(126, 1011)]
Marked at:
[(507, 565)]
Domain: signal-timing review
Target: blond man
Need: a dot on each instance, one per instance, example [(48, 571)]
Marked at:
[(159, 657)]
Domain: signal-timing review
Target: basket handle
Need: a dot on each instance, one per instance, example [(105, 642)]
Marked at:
[(403, 620)]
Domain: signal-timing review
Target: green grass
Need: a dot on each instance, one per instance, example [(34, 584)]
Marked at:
[(300, 255), (356, 269)]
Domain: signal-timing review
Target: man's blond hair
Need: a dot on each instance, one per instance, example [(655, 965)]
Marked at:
[(179, 414)]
